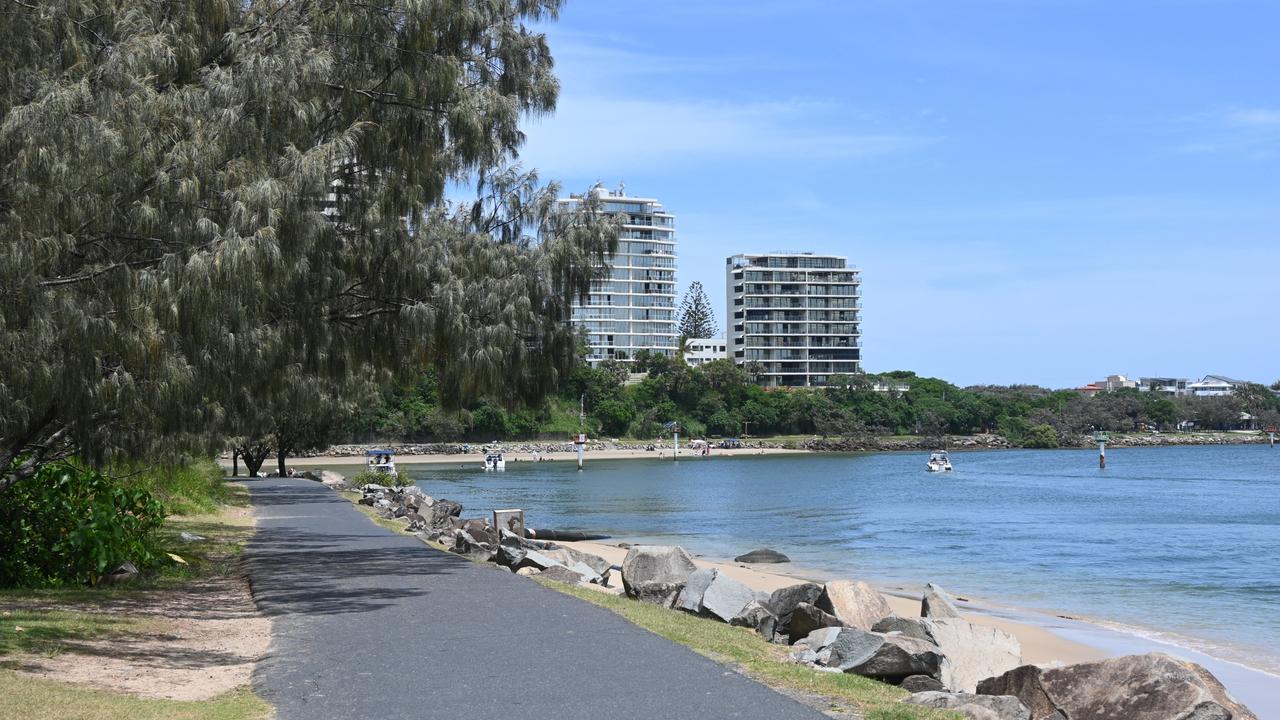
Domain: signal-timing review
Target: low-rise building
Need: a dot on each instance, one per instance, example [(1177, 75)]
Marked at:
[(700, 351), (1173, 387), (1213, 386)]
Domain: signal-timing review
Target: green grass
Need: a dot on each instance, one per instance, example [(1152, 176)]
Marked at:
[(192, 489), (766, 662), (50, 632), (35, 699)]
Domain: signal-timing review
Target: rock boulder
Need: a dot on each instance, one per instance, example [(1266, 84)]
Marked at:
[(763, 555), (936, 603), (1154, 686), (656, 573), (712, 593), (975, 707), (891, 658), (806, 618), (856, 604), (971, 652)]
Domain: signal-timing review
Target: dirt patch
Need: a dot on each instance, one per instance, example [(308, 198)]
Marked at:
[(199, 641)]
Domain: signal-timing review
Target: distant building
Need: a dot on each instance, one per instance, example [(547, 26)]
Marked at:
[(1113, 382), (1214, 386), (1173, 387), (634, 307), (796, 314), (700, 351)]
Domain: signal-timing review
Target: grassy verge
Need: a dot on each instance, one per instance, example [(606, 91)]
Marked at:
[(34, 699), (52, 621), (764, 661)]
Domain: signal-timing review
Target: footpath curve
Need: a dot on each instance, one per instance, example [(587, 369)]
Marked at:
[(370, 624)]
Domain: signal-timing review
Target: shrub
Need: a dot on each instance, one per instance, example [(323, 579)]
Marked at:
[(1041, 436), (69, 526), (368, 477)]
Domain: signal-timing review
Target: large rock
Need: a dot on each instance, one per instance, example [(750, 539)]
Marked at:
[(690, 597), (856, 604), (891, 658), (922, 683), (783, 601), (974, 707), (971, 652), (757, 617), (1142, 687), (712, 593), (911, 627), (560, 573), (763, 555), (806, 618), (656, 573), (936, 603), (569, 557), (443, 512)]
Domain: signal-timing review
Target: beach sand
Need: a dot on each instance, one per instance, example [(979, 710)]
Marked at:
[(477, 458), (1039, 645)]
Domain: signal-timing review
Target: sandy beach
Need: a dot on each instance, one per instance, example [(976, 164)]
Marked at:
[(1039, 645), (477, 458)]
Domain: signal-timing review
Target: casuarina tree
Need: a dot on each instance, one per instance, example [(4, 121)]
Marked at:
[(206, 205), (696, 318)]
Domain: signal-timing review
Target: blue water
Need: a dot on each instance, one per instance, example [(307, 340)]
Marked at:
[(1179, 542)]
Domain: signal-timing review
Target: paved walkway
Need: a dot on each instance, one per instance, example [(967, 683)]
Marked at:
[(371, 624)]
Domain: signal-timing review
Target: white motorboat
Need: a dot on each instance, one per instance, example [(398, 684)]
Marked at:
[(939, 461), (379, 461), (494, 461)]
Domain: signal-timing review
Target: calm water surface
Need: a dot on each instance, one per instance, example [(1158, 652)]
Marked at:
[(1181, 543)]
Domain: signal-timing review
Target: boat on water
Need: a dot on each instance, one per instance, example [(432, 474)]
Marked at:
[(494, 461), (381, 462), (939, 461)]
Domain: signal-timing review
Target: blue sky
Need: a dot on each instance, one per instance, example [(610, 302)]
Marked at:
[(1042, 191)]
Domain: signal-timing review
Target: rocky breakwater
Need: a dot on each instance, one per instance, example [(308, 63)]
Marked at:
[(846, 626), (944, 660), (440, 521)]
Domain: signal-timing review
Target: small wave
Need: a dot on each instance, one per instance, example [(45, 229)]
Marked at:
[(1249, 658)]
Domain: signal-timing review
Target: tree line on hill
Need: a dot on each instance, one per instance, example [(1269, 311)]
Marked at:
[(721, 399)]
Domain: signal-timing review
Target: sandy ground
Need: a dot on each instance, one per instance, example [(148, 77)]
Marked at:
[(204, 641), (1039, 646), (198, 641), (477, 458)]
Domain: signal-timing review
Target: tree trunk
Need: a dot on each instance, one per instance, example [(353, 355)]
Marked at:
[(235, 463), (253, 459), (280, 454)]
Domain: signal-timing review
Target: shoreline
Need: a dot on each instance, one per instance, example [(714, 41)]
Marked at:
[(561, 451), (1039, 645), (1046, 637)]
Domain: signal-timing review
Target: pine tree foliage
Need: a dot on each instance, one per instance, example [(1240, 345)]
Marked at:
[(214, 210), (696, 318)]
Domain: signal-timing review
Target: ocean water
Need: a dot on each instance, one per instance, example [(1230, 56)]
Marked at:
[(1181, 544)]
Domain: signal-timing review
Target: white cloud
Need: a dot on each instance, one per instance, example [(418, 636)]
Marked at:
[(612, 136), (1255, 117)]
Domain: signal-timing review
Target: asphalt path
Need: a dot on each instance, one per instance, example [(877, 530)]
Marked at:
[(367, 623)]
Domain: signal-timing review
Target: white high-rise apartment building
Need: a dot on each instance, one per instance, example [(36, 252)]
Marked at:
[(634, 308), (796, 314)]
